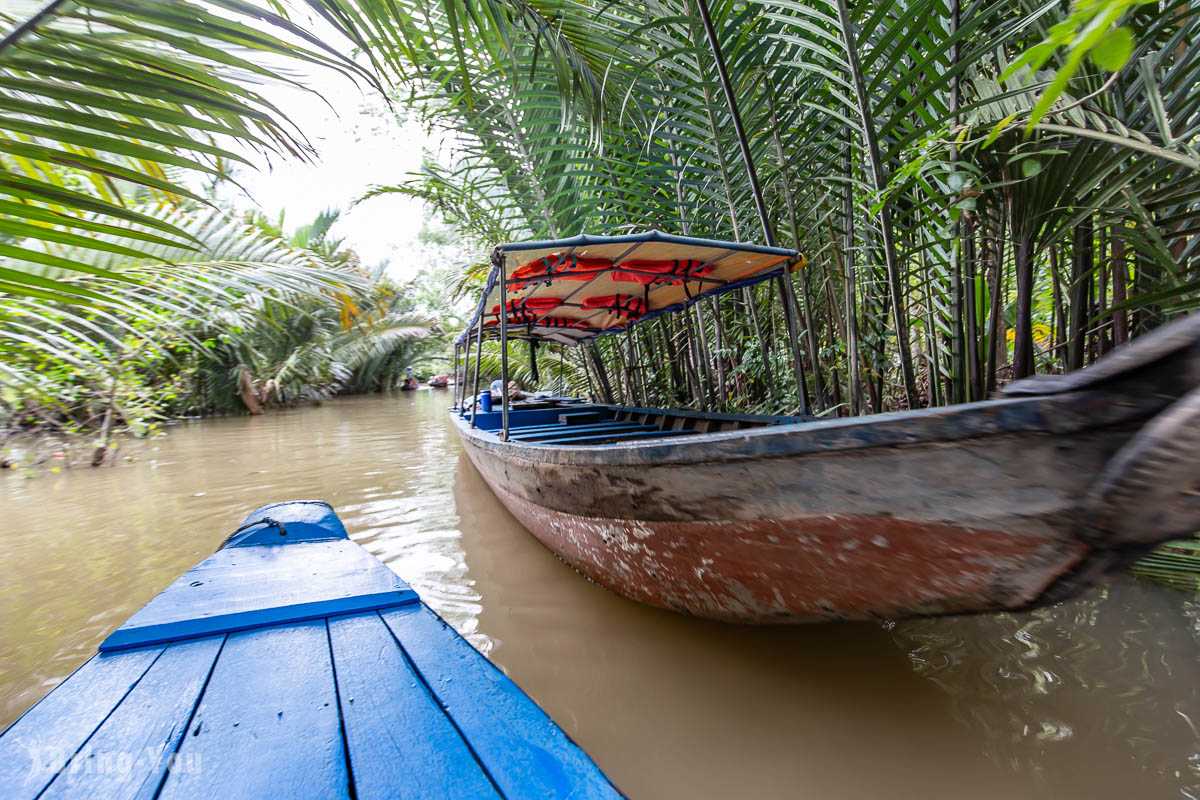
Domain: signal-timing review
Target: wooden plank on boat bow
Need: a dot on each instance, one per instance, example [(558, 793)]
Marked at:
[(128, 754), (401, 742), (268, 724), (241, 587), (39, 744), (524, 751)]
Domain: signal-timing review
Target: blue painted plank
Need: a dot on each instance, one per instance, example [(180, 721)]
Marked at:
[(241, 587), (525, 752), (400, 740), (267, 725), (608, 427), (36, 746), (614, 437), (491, 419), (287, 522), (129, 753), (554, 425)]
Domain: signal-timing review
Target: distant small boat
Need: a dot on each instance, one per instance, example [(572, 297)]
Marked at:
[(291, 663), (410, 385), (439, 381), (995, 505)]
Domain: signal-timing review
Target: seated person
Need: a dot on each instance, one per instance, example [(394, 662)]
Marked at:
[(514, 390)]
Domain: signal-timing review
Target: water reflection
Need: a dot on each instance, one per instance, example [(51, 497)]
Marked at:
[(1096, 698), (1064, 694)]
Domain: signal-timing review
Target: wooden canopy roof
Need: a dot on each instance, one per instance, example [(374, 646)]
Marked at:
[(571, 290)]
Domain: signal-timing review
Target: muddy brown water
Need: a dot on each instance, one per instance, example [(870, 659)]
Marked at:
[(1095, 698)]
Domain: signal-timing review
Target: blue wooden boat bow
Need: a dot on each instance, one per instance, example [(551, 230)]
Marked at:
[(290, 664)]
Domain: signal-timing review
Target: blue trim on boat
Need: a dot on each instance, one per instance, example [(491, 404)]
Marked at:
[(584, 239), (344, 703)]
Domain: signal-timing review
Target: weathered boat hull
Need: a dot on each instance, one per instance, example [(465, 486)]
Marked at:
[(996, 505)]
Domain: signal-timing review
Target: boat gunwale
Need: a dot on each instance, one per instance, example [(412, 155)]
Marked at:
[(1055, 415)]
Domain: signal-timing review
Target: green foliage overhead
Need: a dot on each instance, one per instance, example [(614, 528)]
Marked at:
[(100, 99)]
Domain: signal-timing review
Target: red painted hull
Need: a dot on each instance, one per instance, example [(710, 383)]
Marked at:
[(804, 569)]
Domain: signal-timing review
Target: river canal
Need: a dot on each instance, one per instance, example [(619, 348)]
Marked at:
[(1096, 698)]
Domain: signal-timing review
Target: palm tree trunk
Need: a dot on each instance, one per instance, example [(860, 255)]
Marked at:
[(996, 342), (606, 392), (974, 378), (1080, 291), (854, 366), (719, 325), (672, 361), (1023, 365), (106, 427), (878, 183), (1120, 277)]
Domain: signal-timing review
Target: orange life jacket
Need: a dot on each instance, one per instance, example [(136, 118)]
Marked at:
[(662, 272), (556, 266), (623, 305), (560, 322), (522, 318), (537, 304)]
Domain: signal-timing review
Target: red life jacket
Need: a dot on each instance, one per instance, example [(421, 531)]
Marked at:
[(557, 267), (661, 272), (515, 317), (623, 305), (522, 318), (536, 304), (560, 322)]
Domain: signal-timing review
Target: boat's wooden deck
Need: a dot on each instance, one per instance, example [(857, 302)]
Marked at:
[(577, 424), (344, 685)]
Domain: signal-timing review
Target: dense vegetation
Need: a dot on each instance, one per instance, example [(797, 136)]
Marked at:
[(128, 293), (981, 190)]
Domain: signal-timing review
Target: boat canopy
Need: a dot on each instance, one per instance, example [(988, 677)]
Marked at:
[(572, 290)]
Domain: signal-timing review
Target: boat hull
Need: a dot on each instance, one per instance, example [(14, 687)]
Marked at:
[(803, 569), (997, 505), (788, 550)]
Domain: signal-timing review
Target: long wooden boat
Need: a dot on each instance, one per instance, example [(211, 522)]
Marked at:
[(290, 664), (995, 505)]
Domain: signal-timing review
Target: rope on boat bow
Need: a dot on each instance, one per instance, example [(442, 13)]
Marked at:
[(268, 521)]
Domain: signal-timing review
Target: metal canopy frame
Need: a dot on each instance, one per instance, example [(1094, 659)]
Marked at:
[(634, 240), (475, 332)]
